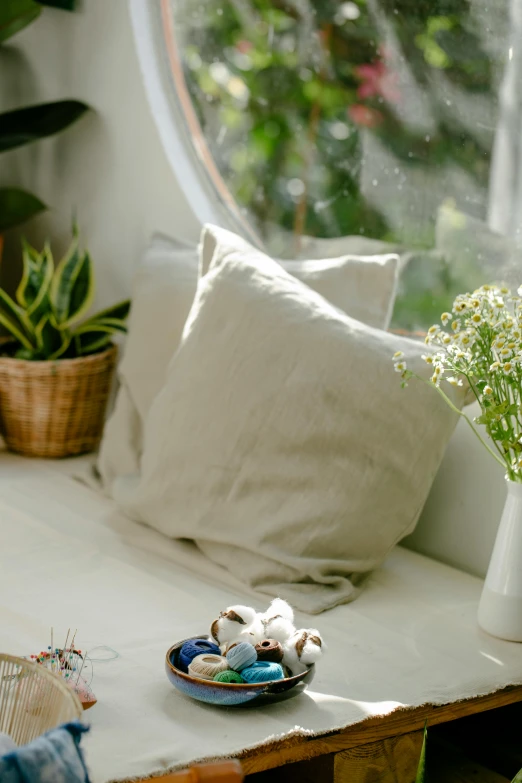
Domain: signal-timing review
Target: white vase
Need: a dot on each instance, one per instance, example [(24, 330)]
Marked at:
[(500, 608)]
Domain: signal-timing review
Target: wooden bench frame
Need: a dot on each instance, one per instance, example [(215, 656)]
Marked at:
[(400, 721), (381, 739)]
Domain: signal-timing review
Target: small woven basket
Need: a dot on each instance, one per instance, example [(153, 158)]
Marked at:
[(33, 700), (54, 408)]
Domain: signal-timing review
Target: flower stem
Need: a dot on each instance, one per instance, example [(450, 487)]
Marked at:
[(461, 413)]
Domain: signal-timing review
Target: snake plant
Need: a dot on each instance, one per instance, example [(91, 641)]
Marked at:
[(47, 319)]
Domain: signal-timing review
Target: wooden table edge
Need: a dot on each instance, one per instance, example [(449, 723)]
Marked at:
[(402, 720)]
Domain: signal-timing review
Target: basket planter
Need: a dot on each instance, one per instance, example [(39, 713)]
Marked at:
[(54, 408)]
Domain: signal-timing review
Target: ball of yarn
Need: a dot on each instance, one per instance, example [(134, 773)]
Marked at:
[(207, 666), (193, 648), (269, 650), (263, 671), (228, 676), (241, 656)]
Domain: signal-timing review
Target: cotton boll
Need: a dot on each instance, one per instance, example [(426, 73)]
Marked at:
[(278, 621), (253, 633), (313, 647), (304, 648), (281, 607), (232, 625), (291, 658), (279, 628)]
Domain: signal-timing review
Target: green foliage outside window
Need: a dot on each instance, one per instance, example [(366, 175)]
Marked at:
[(291, 95)]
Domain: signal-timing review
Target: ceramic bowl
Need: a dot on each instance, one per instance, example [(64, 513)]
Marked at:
[(226, 694)]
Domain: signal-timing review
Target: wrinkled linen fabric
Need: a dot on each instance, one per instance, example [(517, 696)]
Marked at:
[(282, 441)]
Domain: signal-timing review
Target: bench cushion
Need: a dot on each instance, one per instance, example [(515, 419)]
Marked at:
[(68, 559)]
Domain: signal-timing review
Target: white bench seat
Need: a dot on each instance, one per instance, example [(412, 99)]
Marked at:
[(68, 559)]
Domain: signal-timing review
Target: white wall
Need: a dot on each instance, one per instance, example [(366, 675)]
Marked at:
[(460, 519), (111, 166)]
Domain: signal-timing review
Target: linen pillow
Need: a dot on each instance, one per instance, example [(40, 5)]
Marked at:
[(282, 441), (361, 286), (163, 292), (354, 244), (162, 295)]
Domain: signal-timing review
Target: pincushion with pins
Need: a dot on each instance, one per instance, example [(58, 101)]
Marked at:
[(70, 664)]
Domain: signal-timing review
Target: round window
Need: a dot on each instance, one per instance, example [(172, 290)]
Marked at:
[(320, 127)]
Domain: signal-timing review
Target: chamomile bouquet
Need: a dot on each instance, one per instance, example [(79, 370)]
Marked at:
[(479, 344)]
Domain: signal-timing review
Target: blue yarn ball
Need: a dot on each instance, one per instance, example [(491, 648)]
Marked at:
[(196, 647), (241, 656), (263, 671)]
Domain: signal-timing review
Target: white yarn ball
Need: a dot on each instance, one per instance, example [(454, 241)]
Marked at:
[(304, 648), (207, 665)]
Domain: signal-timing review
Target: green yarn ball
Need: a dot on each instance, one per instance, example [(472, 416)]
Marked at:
[(228, 676)]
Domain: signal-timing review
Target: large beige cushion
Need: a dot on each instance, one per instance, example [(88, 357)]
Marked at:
[(282, 441), (163, 292)]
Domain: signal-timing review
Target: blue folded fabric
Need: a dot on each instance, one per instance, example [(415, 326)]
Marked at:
[(55, 756)]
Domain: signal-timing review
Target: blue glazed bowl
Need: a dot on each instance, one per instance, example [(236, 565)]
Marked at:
[(226, 694)]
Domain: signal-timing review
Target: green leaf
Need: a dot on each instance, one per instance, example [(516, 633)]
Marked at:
[(421, 769), (518, 777), (48, 339), (17, 206), (65, 5), (13, 328), (17, 313), (15, 15), (82, 292), (29, 355), (93, 339), (66, 341), (38, 269), (23, 126), (40, 302), (120, 311), (114, 324), (15, 320), (64, 280), (94, 328), (31, 281)]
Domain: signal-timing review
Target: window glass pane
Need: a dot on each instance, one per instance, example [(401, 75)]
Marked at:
[(372, 119)]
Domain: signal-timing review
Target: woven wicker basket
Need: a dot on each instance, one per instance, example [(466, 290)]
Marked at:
[(33, 700), (54, 409)]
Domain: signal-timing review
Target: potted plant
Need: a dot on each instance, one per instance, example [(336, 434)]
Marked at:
[(479, 344), (55, 372)]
